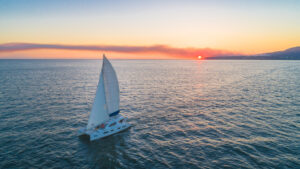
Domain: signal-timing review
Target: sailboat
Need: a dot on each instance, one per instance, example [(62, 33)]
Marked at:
[(105, 118)]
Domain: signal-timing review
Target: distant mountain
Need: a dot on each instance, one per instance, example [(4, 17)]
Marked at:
[(288, 54), (294, 49)]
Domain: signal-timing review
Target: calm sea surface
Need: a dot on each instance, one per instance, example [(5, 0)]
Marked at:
[(185, 114)]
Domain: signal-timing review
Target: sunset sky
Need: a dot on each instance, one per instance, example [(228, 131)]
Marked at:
[(146, 29)]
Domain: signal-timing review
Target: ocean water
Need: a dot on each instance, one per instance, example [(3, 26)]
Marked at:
[(185, 114)]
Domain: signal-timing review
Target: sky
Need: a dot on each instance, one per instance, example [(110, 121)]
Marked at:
[(146, 29)]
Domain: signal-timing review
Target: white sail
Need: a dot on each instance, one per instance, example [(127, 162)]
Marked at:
[(99, 113), (111, 87)]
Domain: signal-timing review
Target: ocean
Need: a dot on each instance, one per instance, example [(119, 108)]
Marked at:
[(185, 114)]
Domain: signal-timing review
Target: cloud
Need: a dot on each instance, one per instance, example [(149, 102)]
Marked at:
[(188, 53)]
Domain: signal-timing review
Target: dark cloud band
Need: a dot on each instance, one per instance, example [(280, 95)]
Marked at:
[(158, 49)]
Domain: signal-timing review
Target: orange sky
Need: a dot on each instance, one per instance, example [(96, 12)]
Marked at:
[(246, 27)]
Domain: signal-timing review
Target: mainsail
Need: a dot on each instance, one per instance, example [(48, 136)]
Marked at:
[(107, 99)]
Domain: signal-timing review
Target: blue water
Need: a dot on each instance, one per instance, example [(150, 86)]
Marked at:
[(185, 114)]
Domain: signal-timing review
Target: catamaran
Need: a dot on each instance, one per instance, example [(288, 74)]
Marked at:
[(105, 118)]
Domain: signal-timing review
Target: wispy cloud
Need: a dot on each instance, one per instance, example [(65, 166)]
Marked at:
[(155, 49)]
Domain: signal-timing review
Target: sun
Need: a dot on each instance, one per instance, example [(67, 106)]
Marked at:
[(199, 57)]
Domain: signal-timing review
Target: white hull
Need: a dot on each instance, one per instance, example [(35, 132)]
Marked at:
[(112, 126)]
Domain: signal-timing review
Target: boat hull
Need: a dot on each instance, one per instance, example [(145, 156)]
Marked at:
[(112, 126)]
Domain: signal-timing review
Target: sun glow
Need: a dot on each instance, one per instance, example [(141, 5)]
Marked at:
[(199, 57)]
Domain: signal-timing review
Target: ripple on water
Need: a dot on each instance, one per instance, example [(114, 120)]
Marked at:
[(185, 114)]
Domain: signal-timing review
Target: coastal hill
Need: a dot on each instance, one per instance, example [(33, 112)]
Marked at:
[(288, 54)]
